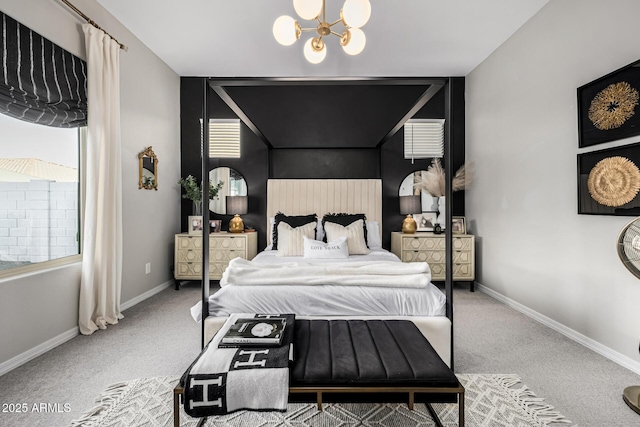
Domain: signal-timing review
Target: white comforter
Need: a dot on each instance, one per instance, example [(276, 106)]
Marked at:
[(361, 273), (325, 300)]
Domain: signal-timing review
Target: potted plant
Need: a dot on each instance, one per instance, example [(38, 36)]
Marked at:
[(193, 192)]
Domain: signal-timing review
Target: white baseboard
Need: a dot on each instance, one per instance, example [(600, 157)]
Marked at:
[(40, 349), (591, 344), (144, 296)]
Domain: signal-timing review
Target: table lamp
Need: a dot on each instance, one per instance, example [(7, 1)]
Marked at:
[(237, 205), (408, 206)]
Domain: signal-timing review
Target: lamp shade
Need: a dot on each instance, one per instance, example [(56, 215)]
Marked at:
[(357, 41), (410, 205), (356, 13), (237, 205), (284, 30), (308, 9), (311, 54)]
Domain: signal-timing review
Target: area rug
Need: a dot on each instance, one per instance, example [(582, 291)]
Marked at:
[(490, 401)]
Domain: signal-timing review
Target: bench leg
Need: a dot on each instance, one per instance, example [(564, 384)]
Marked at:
[(177, 392), (411, 400), (461, 409), (319, 400), (176, 408)]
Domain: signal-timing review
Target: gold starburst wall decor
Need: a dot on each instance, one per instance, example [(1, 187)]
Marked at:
[(613, 106), (614, 181)]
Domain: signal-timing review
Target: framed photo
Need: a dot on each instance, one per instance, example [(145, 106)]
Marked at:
[(608, 181), (215, 225), (195, 225), (458, 225), (425, 220), (608, 108)]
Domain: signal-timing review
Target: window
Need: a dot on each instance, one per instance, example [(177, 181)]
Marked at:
[(39, 193), (423, 138), (224, 138)]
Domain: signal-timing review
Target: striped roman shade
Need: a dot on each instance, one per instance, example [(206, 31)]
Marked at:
[(39, 81)]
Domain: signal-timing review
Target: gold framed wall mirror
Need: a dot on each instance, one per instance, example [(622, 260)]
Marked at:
[(148, 166)]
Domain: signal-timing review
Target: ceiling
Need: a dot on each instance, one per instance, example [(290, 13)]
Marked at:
[(233, 38)]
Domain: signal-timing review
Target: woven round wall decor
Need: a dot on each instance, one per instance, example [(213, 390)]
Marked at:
[(614, 181), (613, 106)]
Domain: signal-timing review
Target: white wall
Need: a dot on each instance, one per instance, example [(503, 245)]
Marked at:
[(42, 308), (38, 220), (533, 247)]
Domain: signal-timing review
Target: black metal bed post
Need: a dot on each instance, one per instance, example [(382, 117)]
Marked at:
[(448, 238), (205, 206)]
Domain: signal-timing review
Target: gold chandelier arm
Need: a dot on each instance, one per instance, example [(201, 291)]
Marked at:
[(339, 20), (308, 29), (336, 34)]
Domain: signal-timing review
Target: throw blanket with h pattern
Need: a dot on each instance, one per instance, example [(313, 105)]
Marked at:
[(357, 273), (224, 380)]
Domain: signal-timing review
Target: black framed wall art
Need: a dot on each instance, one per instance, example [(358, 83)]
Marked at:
[(608, 108), (609, 181)]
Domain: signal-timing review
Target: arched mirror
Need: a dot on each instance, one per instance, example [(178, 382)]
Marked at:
[(407, 188), (233, 184), (148, 166)]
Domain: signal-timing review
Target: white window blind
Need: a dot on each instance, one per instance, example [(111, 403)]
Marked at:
[(423, 138), (224, 138)]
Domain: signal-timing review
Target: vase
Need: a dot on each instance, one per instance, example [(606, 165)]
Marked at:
[(197, 208), (441, 211)]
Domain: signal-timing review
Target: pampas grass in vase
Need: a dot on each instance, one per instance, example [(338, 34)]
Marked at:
[(433, 183)]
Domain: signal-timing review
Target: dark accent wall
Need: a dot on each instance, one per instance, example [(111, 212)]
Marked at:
[(328, 163), (395, 167), (258, 163), (253, 165)]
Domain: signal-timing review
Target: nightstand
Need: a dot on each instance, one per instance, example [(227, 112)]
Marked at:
[(430, 248), (223, 247)]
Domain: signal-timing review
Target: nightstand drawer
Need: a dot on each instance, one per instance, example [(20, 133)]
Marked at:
[(422, 244), (228, 242), (461, 272), (189, 270), (423, 256)]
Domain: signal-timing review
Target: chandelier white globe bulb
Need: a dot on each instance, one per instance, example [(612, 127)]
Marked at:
[(308, 9), (356, 13), (357, 41), (312, 55), (284, 30)]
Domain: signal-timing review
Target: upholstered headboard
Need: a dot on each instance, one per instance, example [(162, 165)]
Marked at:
[(321, 196)]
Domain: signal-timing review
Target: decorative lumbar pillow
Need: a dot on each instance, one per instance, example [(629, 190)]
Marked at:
[(354, 233), (291, 240), (293, 220), (320, 250), (345, 219)]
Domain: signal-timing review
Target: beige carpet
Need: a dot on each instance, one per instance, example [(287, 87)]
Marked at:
[(491, 401)]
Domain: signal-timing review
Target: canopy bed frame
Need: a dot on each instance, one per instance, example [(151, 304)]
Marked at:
[(330, 194)]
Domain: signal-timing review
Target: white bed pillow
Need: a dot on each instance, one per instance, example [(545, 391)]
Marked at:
[(317, 249), (354, 233), (320, 231), (373, 235), (291, 240)]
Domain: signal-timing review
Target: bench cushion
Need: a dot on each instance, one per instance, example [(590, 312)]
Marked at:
[(366, 353)]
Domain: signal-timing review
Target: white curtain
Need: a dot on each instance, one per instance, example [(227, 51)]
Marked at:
[(102, 243)]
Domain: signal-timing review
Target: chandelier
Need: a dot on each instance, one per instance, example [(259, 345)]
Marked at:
[(353, 15)]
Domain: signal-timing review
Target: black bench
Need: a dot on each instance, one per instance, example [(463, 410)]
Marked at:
[(370, 356), (360, 357)]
